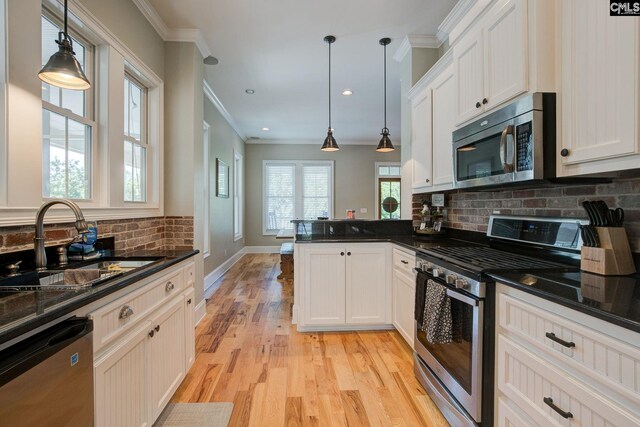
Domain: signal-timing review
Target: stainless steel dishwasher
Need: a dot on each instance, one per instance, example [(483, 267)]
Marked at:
[(47, 379)]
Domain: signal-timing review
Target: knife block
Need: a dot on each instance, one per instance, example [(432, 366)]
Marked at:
[(613, 257)]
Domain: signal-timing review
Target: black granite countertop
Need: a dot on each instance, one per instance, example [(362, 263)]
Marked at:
[(23, 311), (411, 242), (615, 299)]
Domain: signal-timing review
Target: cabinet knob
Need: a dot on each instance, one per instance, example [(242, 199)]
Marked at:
[(478, 105), (169, 287), (485, 100), (348, 253), (341, 253), (151, 333), (157, 328), (125, 312), (564, 152), (426, 180), (189, 301)]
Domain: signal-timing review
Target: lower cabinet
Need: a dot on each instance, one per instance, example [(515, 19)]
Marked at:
[(404, 292), (138, 372), (343, 285), (557, 366)]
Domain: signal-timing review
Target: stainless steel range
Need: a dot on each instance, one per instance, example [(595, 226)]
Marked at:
[(458, 372)]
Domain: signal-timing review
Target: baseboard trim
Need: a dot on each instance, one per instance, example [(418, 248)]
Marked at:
[(201, 311), (342, 328), (211, 278), (262, 249)]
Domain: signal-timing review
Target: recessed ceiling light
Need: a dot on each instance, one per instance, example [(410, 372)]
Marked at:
[(250, 91), (265, 129), (347, 92)]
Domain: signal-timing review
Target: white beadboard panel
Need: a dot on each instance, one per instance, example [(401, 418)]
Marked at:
[(120, 384), (323, 288), (597, 356), (166, 355), (107, 323), (189, 327), (527, 380), (368, 298), (506, 416)]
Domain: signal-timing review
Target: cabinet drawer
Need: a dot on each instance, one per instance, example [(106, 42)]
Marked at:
[(530, 381), (404, 262), (598, 356), (124, 313)]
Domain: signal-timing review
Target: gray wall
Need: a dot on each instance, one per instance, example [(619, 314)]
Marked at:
[(223, 140), (354, 176), (128, 24)]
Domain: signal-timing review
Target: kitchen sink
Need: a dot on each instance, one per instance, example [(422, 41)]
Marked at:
[(77, 276)]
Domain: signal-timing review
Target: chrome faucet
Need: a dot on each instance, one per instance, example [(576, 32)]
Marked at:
[(38, 241)]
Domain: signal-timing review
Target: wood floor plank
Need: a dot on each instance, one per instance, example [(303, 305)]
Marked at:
[(249, 353)]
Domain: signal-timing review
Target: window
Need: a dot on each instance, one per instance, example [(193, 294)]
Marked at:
[(296, 190), (67, 124), (237, 195), (388, 190), (135, 140)]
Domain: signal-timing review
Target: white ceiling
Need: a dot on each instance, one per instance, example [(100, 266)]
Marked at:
[(276, 47)]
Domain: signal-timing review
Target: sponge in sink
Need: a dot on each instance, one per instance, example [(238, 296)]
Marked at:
[(80, 277)]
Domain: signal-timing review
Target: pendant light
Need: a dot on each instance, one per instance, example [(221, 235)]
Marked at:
[(63, 69), (385, 145), (330, 143)]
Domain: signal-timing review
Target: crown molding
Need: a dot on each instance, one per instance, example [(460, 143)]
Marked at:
[(223, 111), (153, 17), (167, 34), (415, 40), (454, 17)]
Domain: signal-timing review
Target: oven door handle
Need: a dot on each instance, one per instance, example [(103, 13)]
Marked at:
[(507, 167), (465, 299)]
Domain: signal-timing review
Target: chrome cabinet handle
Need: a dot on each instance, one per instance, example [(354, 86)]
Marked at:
[(549, 402), (125, 312), (509, 129), (560, 341), (169, 287)]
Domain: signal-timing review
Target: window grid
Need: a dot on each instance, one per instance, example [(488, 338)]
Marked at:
[(135, 140)]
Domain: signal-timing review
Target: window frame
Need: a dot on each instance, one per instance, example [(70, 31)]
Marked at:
[(298, 188), (377, 182), (238, 195), (206, 186), (144, 124), (89, 119)]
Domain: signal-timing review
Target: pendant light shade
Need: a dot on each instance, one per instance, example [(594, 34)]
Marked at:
[(385, 145), (330, 143), (63, 69)]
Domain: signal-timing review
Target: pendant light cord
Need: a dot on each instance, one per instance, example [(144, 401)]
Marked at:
[(329, 86), (66, 34), (385, 86)]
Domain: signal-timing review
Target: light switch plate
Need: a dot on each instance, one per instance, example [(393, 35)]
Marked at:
[(363, 210)]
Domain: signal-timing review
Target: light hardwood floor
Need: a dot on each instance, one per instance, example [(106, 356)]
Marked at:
[(248, 353)]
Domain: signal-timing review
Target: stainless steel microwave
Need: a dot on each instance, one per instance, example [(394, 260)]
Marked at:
[(513, 144)]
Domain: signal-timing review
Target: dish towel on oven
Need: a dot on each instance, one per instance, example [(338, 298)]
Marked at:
[(437, 324)]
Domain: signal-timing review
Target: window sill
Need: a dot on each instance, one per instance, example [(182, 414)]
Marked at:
[(237, 237), (56, 215)]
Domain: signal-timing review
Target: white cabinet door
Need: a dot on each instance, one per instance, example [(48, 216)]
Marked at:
[(443, 92), (189, 328), (421, 152), (323, 287), (121, 382), (404, 290), (469, 65), (166, 355), (368, 296), (505, 41), (599, 92)]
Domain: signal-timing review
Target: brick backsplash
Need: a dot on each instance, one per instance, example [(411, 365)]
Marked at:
[(169, 232), (470, 210)]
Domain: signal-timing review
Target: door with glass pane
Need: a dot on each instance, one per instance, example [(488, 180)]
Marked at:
[(388, 190)]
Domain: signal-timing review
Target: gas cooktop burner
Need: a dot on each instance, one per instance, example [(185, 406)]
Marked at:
[(484, 259)]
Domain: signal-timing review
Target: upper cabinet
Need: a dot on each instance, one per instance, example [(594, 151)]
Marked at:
[(491, 60), (432, 120), (598, 97)]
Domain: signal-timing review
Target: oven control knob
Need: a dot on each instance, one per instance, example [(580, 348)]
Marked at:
[(436, 272), (451, 279), (461, 284)]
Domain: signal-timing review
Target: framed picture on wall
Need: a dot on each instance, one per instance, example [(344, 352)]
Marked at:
[(222, 181)]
